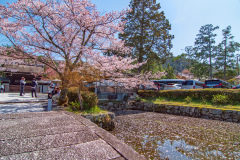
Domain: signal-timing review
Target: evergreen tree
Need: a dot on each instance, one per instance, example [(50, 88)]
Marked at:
[(230, 73), (226, 49), (178, 62), (147, 31), (204, 45), (170, 72), (189, 52), (199, 69)]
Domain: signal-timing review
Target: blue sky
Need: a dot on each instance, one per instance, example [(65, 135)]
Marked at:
[(186, 17)]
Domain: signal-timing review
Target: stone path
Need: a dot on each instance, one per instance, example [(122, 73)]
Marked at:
[(22, 107), (54, 134), (13, 103), (14, 97)]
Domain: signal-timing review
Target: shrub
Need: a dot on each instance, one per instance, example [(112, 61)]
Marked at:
[(188, 100), (219, 99), (72, 94), (236, 103), (204, 101), (75, 106), (232, 94), (138, 99), (89, 98)]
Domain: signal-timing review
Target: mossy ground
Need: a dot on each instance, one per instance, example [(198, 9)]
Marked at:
[(194, 103), (93, 110)]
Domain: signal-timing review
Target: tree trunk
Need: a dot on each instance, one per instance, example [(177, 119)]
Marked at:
[(210, 58), (225, 60), (63, 99), (80, 98)]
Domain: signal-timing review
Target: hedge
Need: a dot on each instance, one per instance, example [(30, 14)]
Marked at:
[(232, 94)]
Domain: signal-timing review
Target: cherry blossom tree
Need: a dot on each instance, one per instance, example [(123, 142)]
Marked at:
[(117, 69), (64, 35)]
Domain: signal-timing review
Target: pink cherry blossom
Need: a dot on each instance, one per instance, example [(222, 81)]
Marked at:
[(64, 33)]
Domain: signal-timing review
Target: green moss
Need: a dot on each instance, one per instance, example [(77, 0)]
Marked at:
[(92, 110), (194, 103)]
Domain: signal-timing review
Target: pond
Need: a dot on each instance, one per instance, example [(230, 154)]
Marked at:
[(163, 136)]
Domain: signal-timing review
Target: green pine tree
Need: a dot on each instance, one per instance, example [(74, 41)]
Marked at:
[(170, 72), (147, 31), (204, 46), (225, 54)]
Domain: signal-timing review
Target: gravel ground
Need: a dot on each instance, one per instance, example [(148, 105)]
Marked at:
[(162, 136)]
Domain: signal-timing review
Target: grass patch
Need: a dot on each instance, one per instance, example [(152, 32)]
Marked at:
[(194, 103), (92, 110)]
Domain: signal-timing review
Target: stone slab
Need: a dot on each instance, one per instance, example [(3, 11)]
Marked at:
[(7, 116), (91, 150), (29, 124), (18, 146), (19, 134)]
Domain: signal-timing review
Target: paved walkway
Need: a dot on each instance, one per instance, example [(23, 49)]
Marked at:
[(14, 97), (54, 134), (13, 103)]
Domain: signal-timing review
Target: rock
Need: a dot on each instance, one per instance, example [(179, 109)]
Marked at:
[(187, 110), (225, 115), (157, 108), (229, 120), (217, 111), (205, 116), (210, 110), (235, 120), (148, 107), (211, 116), (107, 123), (217, 115), (102, 120), (192, 110), (204, 110), (216, 118)]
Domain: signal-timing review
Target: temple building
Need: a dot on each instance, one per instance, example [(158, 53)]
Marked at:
[(13, 74)]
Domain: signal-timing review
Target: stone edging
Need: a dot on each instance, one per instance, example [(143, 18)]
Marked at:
[(206, 113), (102, 120)]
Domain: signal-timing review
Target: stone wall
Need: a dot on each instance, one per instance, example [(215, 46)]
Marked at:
[(102, 120), (207, 113)]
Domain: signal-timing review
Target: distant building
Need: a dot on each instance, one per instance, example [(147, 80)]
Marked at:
[(13, 74)]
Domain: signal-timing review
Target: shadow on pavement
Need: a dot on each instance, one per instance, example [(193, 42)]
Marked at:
[(13, 95)]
